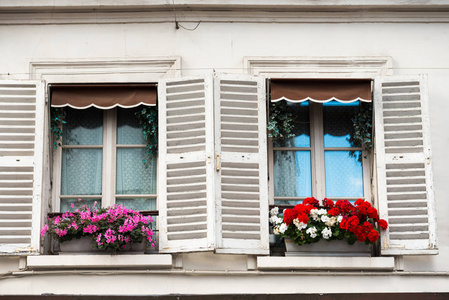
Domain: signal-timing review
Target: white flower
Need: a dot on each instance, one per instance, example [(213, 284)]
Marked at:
[(276, 220), (311, 231), (322, 211), (331, 222), (314, 214), (299, 225), (283, 228), (325, 219), (276, 230), (274, 211), (339, 219), (326, 233)]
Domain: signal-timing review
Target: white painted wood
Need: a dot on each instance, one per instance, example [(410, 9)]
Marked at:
[(404, 170), (242, 176), (154, 261), (186, 165), (21, 165), (325, 263)]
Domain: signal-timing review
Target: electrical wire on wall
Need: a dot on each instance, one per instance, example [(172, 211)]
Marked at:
[(177, 25)]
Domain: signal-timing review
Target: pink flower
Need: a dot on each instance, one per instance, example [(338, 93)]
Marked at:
[(90, 228), (72, 205), (60, 232), (45, 229)]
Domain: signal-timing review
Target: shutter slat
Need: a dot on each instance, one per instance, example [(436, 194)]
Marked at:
[(240, 109), (403, 161), (186, 175)]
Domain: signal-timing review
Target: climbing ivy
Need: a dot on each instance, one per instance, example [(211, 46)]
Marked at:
[(363, 128), (280, 123), (147, 117), (57, 120)]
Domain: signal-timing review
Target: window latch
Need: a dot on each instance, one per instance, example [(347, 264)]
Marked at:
[(217, 160)]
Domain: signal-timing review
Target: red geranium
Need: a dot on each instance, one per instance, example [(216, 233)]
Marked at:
[(373, 236), (288, 216), (360, 233), (372, 213), (329, 203), (367, 226), (383, 224), (352, 223), (333, 211)]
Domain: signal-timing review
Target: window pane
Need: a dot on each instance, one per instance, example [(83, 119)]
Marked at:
[(134, 176), (83, 127), (344, 174), (66, 204), (301, 126), (138, 204), (338, 125), (81, 171), (129, 130), (292, 174)]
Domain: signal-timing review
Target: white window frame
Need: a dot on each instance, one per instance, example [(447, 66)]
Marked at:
[(136, 70), (317, 150), (365, 67), (109, 166)]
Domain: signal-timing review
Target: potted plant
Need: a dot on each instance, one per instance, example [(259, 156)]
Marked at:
[(110, 229), (313, 221)]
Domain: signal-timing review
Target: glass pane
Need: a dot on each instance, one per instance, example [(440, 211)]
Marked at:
[(338, 125), (344, 174), (134, 176), (301, 126), (129, 131), (138, 203), (292, 174), (83, 127), (81, 171), (287, 202), (66, 204)]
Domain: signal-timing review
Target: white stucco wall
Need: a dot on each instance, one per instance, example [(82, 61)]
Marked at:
[(414, 49)]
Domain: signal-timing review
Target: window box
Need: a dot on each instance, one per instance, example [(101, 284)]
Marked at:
[(83, 245), (328, 248)]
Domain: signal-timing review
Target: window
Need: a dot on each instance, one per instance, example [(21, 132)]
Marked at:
[(103, 158), (319, 160)]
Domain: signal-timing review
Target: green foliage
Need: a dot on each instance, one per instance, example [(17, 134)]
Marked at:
[(147, 117), (363, 127), (57, 120), (280, 123)]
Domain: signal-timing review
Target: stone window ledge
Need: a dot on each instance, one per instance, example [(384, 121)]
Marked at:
[(326, 263), (155, 261)]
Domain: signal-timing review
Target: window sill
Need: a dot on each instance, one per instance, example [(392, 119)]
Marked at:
[(152, 261), (326, 263)]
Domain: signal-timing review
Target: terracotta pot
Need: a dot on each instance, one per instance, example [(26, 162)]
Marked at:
[(84, 246), (325, 248)]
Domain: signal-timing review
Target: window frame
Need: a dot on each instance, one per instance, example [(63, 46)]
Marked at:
[(109, 148), (317, 150)]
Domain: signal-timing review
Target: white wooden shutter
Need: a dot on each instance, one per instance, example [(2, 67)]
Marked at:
[(241, 165), (405, 181), (21, 157), (186, 168)]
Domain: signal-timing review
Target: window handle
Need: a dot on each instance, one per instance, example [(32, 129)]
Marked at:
[(217, 160)]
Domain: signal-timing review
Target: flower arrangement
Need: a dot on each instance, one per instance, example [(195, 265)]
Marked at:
[(313, 220), (110, 229)]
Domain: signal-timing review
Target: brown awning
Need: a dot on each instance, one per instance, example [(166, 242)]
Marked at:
[(103, 96), (320, 90)]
